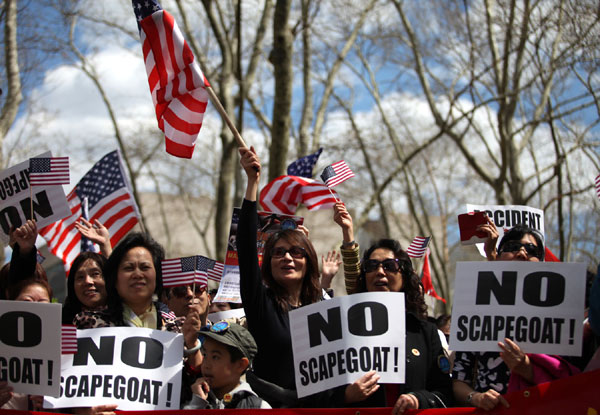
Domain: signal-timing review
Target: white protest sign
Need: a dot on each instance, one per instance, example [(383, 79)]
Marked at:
[(30, 346), (227, 314), (537, 304), (507, 216), (337, 341), (49, 202), (136, 368), (229, 286)]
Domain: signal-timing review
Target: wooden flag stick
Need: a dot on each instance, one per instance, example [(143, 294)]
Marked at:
[(217, 103), (31, 200), (332, 194)]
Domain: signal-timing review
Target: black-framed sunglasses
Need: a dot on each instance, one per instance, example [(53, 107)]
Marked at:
[(515, 246), (295, 251), (389, 265), (182, 290)]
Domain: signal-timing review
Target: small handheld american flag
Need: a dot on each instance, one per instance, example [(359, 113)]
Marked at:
[(336, 173), (418, 246), (48, 171)]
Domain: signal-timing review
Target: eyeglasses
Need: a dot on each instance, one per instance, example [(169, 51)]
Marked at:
[(515, 246), (389, 265), (295, 251), (181, 291)]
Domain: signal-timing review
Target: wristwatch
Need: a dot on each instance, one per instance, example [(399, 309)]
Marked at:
[(470, 396)]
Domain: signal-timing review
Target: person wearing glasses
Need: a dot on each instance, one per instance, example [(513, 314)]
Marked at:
[(180, 298), (386, 267), (288, 279), (481, 378)]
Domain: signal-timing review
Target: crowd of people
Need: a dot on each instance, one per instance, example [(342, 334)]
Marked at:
[(249, 363)]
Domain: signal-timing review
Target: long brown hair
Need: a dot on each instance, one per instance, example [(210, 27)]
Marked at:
[(310, 291), (413, 298)]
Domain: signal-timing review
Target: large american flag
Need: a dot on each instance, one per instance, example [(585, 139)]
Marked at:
[(303, 167), (336, 173), (418, 246), (46, 171), (110, 200), (176, 82), (283, 195)]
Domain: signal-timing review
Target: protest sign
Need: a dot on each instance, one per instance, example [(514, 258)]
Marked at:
[(136, 368), (337, 341), (539, 305), (49, 202), (507, 216), (30, 344), (268, 223), (227, 314)]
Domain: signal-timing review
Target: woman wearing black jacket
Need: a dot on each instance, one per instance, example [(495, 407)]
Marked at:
[(386, 267), (290, 271)]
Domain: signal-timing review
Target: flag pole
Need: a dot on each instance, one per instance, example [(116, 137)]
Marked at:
[(221, 110), (332, 194), (31, 200)]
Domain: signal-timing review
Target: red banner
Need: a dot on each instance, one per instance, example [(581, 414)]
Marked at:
[(573, 395)]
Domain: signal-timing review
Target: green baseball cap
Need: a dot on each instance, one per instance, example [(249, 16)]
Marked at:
[(233, 335)]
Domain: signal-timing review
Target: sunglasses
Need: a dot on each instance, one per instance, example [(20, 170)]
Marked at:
[(389, 265), (515, 246), (295, 251), (182, 290)]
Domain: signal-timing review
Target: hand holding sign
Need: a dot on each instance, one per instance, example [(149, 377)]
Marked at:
[(516, 360), (5, 392), (362, 388)]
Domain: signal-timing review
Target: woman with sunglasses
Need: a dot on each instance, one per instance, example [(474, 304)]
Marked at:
[(481, 378), (386, 267), (290, 273)]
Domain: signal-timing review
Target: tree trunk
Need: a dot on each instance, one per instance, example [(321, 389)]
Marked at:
[(281, 58)]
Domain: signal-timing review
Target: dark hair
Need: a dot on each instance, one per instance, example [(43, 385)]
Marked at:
[(15, 289), (310, 291), (132, 240), (517, 232), (72, 304), (5, 278), (442, 320), (410, 280)]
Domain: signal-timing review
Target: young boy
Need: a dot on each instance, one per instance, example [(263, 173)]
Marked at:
[(228, 350)]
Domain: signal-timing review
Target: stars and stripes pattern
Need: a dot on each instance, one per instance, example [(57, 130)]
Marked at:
[(176, 82), (110, 201), (212, 269), (418, 246), (68, 339), (598, 186), (303, 167), (48, 171), (196, 269), (283, 195), (179, 271), (336, 173)]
